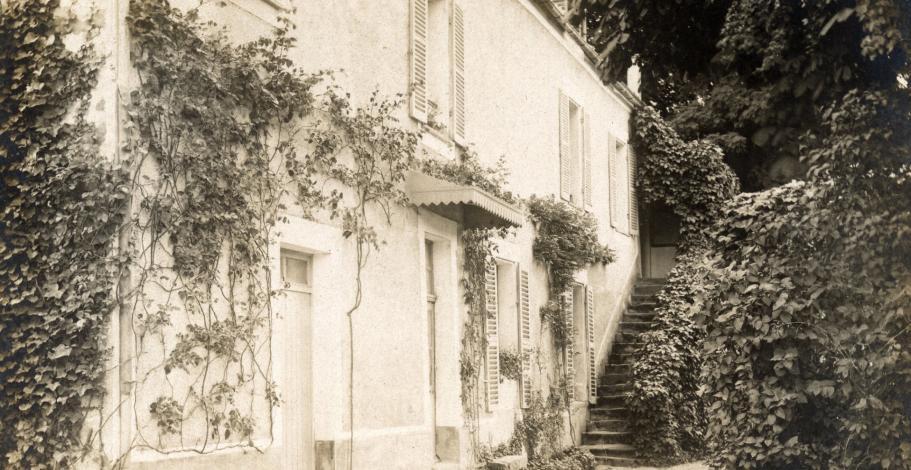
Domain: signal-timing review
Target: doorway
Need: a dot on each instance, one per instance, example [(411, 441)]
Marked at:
[(295, 327), (659, 242)]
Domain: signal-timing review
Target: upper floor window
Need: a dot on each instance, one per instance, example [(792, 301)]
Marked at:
[(575, 157), (438, 66)]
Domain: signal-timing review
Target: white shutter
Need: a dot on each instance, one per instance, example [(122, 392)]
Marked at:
[(419, 24), (566, 164), (570, 350), (525, 337), (458, 74), (492, 369), (612, 178), (590, 335), (586, 163), (633, 199)]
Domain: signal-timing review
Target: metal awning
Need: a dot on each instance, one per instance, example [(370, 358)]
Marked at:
[(472, 206)]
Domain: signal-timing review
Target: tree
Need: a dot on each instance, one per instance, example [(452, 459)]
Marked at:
[(754, 76)]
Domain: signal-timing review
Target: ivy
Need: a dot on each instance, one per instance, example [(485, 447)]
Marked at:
[(510, 365), (224, 139), (60, 211), (566, 241), (692, 179), (689, 177)]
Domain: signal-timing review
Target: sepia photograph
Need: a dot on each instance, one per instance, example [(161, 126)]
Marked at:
[(455, 234)]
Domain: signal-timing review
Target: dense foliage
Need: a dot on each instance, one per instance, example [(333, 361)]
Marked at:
[(566, 240), (571, 458), (542, 425), (689, 177), (60, 208), (665, 408), (752, 75)]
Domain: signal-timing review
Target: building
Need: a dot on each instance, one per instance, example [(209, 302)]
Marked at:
[(504, 76)]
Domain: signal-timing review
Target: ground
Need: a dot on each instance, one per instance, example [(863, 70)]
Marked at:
[(688, 466)]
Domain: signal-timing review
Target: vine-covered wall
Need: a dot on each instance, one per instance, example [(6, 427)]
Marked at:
[(61, 208)]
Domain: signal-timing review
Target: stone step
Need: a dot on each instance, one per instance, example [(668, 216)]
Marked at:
[(616, 461), (625, 347), (614, 388), (606, 411), (618, 367), (606, 437), (614, 378), (611, 450), (642, 298), (652, 280), (613, 400), (633, 315), (621, 358), (646, 305), (598, 423), (648, 289), (634, 325)]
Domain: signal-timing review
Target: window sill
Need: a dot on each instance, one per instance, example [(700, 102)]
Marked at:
[(437, 143)]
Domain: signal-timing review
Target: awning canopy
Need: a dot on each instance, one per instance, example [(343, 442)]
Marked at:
[(472, 206)]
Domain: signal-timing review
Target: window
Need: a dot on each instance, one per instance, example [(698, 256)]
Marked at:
[(295, 271), (617, 154), (575, 157), (438, 66)]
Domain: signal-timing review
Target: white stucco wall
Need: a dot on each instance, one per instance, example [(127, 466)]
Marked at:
[(517, 63)]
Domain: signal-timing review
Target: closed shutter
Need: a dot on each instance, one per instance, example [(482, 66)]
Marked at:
[(566, 163), (492, 369), (633, 199), (590, 336), (419, 23), (525, 337), (458, 74), (612, 178), (570, 349), (586, 163)]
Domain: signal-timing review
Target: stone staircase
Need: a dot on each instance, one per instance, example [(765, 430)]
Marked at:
[(607, 435)]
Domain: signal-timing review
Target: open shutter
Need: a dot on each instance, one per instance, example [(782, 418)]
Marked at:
[(612, 178), (586, 163), (633, 199), (566, 164), (419, 11), (525, 345), (492, 369), (590, 336), (569, 358), (458, 74)]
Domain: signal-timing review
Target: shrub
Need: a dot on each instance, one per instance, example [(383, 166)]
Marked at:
[(571, 458), (807, 332), (664, 405)]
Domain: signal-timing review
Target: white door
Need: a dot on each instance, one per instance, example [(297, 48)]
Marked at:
[(296, 391)]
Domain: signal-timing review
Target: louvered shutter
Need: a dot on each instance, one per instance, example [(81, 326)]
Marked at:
[(590, 336), (586, 163), (612, 178), (570, 349), (566, 163), (458, 74), (525, 345), (633, 199), (419, 10), (492, 372)]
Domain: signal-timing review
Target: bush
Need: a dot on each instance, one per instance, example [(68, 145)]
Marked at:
[(806, 351), (571, 458), (665, 408)]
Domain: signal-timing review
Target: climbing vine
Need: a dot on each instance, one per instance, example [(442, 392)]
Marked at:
[(60, 210), (566, 241), (224, 139)]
